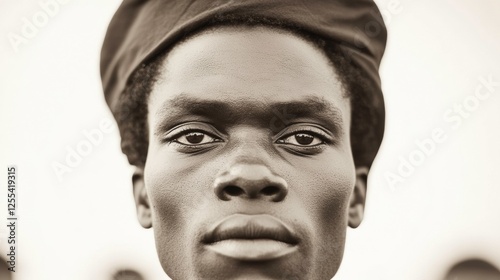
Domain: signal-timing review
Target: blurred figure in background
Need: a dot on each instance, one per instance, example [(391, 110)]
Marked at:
[(4, 272), (473, 269), (127, 274)]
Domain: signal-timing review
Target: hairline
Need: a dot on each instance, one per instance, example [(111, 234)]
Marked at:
[(241, 27)]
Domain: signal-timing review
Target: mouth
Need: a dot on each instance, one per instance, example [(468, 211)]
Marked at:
[(251, 238)]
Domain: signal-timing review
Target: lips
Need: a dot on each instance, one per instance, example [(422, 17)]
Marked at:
[(251, 237)]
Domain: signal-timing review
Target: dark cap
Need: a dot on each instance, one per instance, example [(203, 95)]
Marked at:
[(140, 29)]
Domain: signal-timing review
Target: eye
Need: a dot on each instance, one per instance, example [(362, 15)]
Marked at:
[(302, 139), (194, 138)]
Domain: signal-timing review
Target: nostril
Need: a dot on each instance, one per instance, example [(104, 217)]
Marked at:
[(250, 182), (270, 190), (233, 190)]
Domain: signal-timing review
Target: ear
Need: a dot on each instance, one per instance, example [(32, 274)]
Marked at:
[(358, 197), (141, 199)]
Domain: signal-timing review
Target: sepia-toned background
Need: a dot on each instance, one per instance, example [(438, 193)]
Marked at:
[(434, 193)]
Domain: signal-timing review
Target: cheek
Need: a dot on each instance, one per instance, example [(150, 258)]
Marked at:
[(179, 188), (324, 188), (333, 199), (176, 189), (177, 192)]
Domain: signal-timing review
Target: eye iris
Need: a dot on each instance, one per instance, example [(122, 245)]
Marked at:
[(304, 139), (195, 137)]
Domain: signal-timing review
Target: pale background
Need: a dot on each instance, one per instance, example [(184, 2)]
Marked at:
[(84, 226)]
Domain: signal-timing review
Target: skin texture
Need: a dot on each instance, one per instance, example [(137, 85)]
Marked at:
[(270, 112)]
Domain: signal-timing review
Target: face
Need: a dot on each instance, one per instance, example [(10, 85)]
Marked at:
[(249, 172)]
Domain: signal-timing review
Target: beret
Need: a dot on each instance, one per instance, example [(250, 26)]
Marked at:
[(140, 29)]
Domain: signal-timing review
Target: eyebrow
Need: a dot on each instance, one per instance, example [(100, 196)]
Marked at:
[(227, 112)]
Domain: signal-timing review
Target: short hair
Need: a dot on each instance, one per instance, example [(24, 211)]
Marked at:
[(132, 111)]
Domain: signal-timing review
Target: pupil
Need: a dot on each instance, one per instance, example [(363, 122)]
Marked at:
[(195, 137), (304, 139)]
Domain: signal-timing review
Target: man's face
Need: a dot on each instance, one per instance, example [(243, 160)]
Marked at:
[(249, 172)]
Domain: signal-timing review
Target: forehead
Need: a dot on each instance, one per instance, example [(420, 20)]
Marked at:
[(244, 65)]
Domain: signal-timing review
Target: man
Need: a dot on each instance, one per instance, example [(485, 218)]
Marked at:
[(252, 126)]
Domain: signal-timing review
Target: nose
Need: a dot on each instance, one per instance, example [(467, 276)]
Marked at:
[(250, 181)]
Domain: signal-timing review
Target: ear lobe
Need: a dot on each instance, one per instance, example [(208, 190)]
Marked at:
[(358, 197), (141, 199)]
